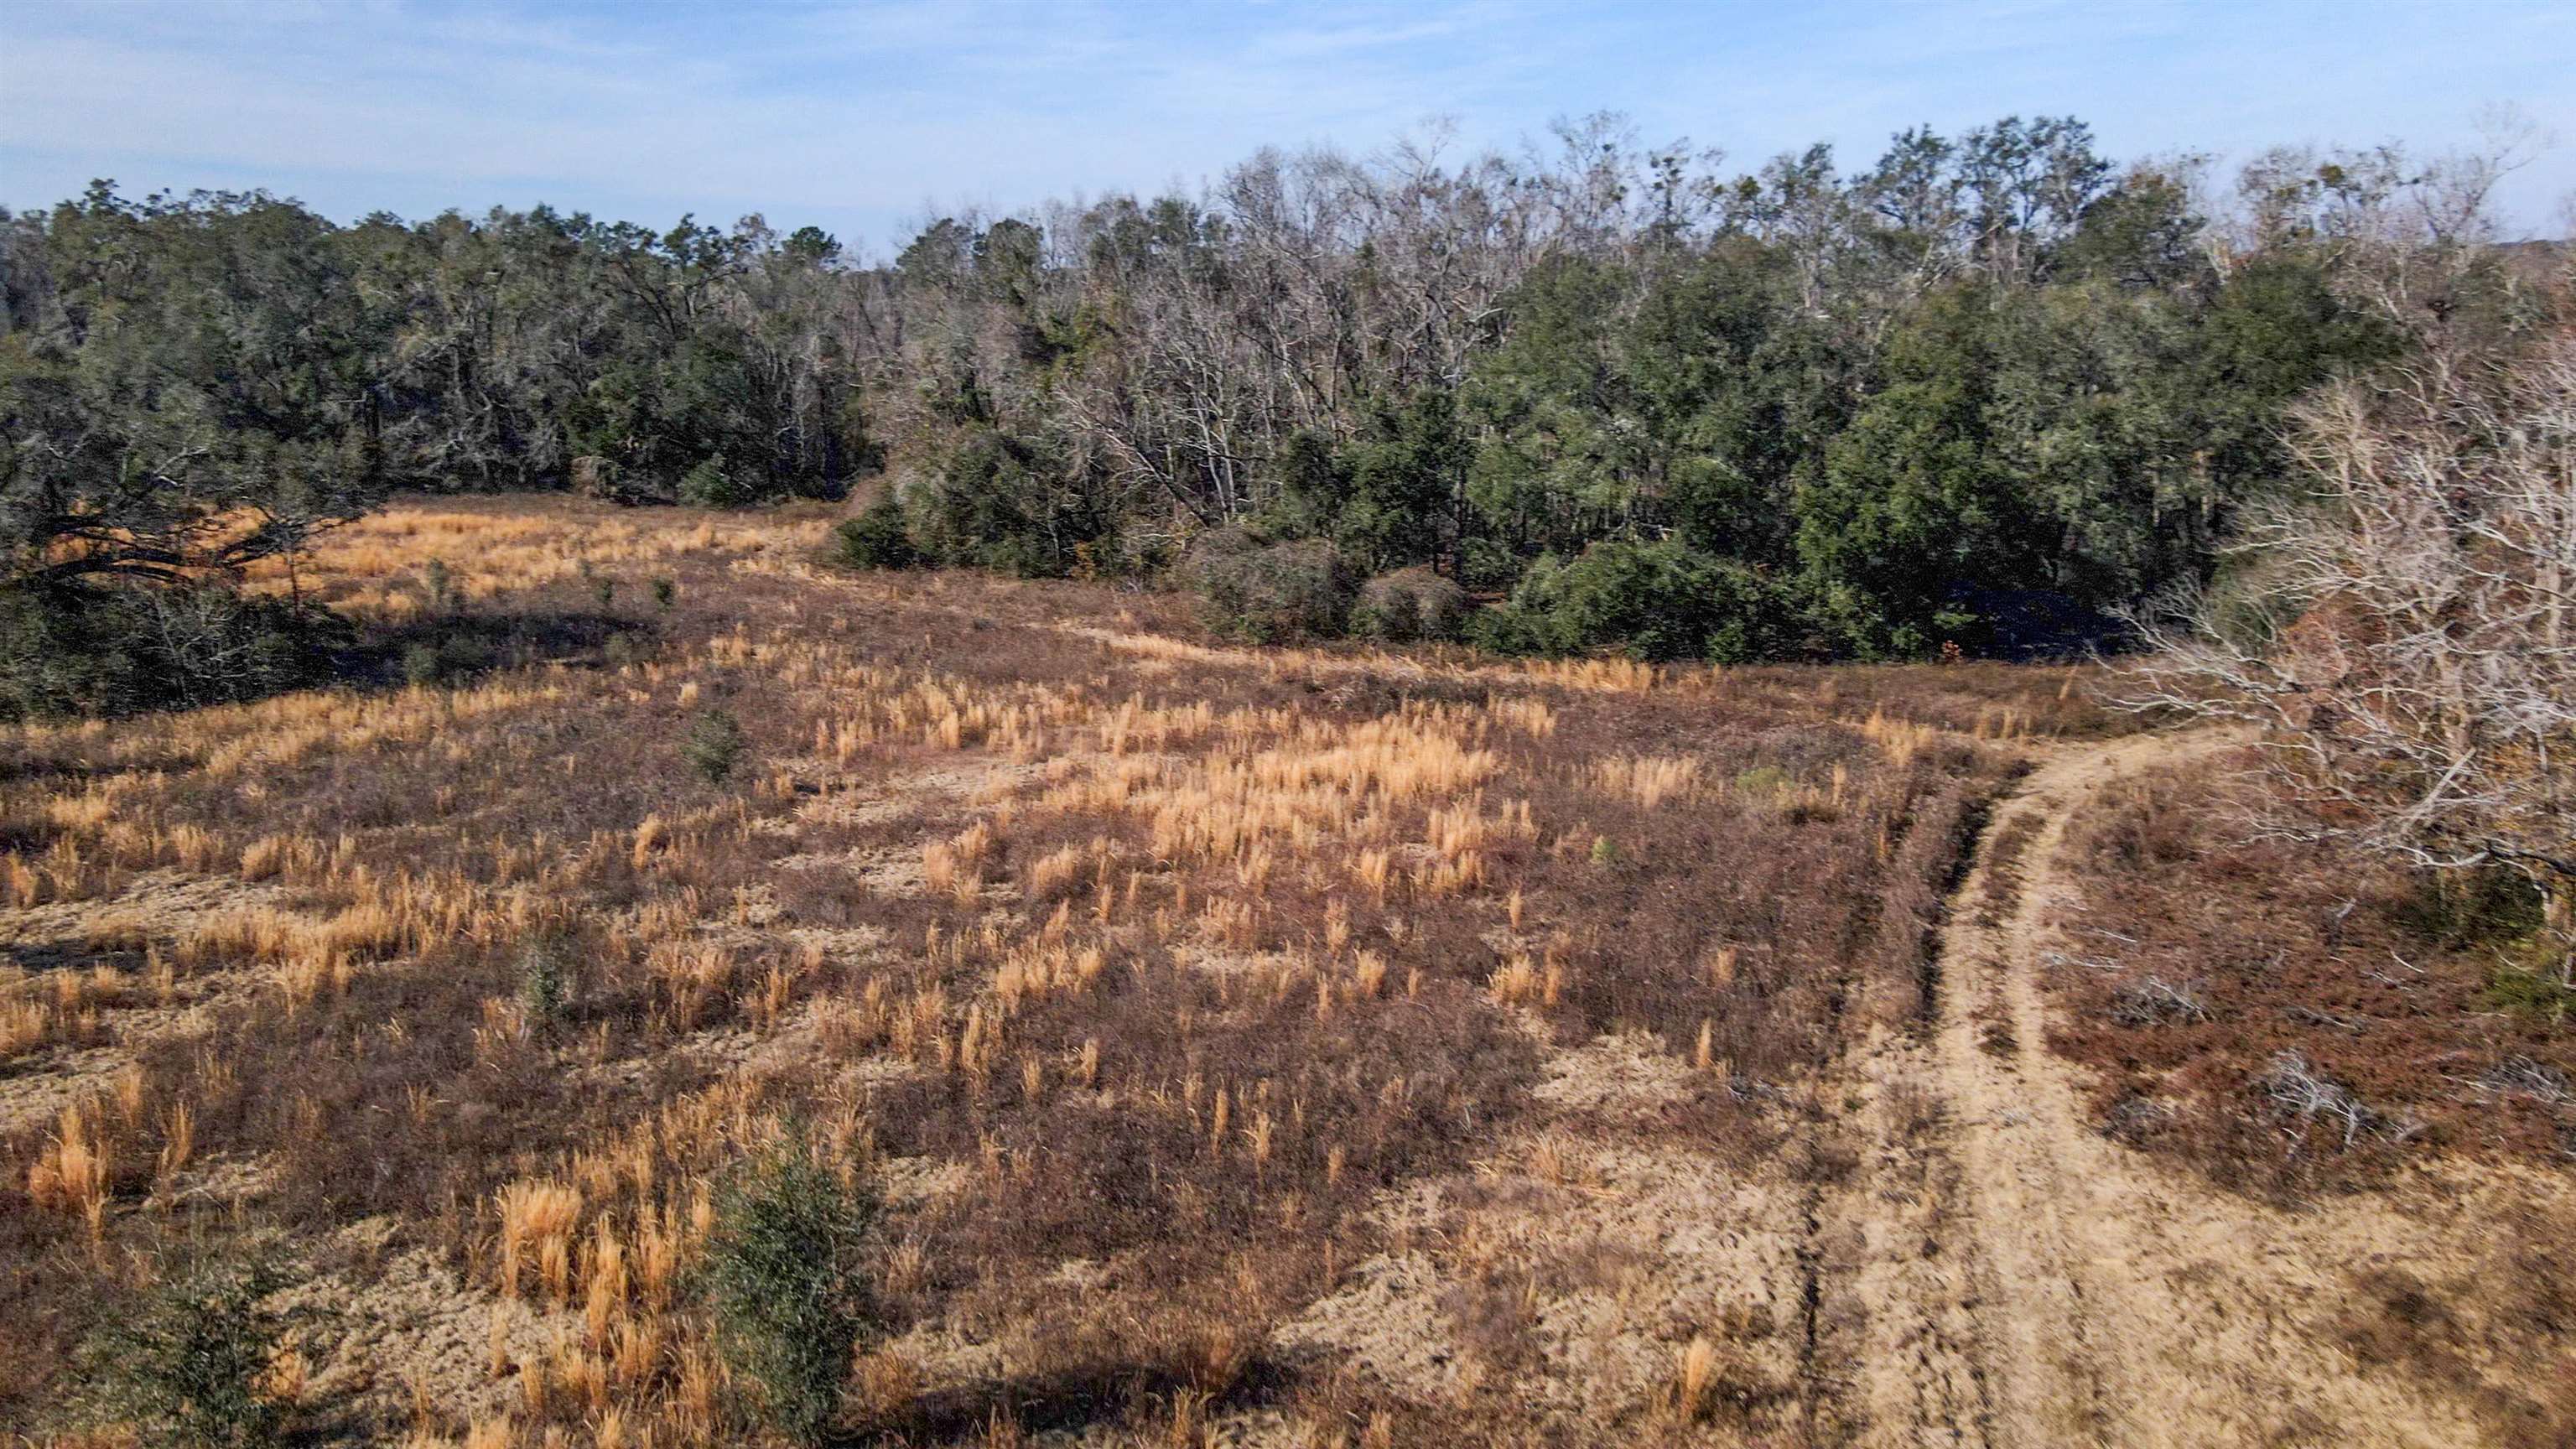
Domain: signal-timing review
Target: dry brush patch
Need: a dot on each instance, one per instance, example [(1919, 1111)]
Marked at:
[(1144, 979), (2293, 1015), (2305, 1025)]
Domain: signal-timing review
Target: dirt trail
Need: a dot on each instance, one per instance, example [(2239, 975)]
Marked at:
[(2023, 1280)]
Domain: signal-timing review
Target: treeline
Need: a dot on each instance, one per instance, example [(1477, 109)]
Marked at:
[(1981, 391)]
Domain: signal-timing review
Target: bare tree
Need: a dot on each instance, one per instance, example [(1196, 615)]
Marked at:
[(2405, 645)]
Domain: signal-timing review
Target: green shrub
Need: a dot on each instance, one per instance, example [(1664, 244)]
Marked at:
[(1487, 566), (714, 745), (185, 1362), (113, 651), (1409, 604), (2542, 993), (463, 655), (783, 1278), (711, 485), (2481, 907), (546, 983), (1311, 481), (1138, 551), (440, 583), (1764, 780), (665, 591), (1658, 601), (876, 539), (1271, 593), (1002, 501), (431, 662)]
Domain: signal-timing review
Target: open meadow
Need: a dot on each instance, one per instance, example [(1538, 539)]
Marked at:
[(710, 738), (1315, 1047)]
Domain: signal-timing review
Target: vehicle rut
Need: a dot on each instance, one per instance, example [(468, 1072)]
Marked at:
[(2020, 1278)]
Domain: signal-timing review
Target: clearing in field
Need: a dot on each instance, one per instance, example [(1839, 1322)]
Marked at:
[(1209, 1045)]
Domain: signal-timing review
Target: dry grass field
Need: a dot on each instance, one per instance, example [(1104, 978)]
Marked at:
[(1246, 1047)]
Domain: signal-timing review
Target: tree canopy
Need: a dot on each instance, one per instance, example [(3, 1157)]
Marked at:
[(1986, 389)]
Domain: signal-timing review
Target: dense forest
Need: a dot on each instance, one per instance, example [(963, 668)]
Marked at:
[(1983, 392)]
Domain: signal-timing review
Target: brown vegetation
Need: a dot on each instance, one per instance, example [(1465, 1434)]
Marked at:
[(1148, 977), (2354, 1078), (2298, 1016), (1316, 1046)]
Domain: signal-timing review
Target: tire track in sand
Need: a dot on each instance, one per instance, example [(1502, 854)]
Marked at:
[(2023, 1280)]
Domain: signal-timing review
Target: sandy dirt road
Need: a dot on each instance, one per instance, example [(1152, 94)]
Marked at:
[(2022, 1280)]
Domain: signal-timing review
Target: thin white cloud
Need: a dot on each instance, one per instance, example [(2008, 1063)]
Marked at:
[(849, 113)]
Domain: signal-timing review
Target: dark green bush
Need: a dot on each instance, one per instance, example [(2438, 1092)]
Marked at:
[(440, 583), (1274, 592), (546, 978), (1487, 566), (2491, 906), (1007, 502), (185, 1361), (877, 538), (2538, 992), (101, 651), (712, 485), (783, 1278), (1311, 484), (440, 661), (714, 745), (1136, 551), (1409, 604), (1762, 780), (1658, 601)]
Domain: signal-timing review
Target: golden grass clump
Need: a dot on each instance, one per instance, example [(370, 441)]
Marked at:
[(1374, 867), (265, 935), (1695, 1379), (1901, 740), (270, 855), (538, 1217), (178, 1142), (1530, 716), (1650, 780), (23, 883), (649, 833), (1055, 870), (691, 977), (24, 1024), (1041, 968), (1435, 879), (605, 1279), (2002, 722), (116, 932), (1611, 676), (259, 934), (1368, 975), (70, 1175)]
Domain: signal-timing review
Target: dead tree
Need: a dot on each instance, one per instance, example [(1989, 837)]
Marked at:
[(2401, 633)]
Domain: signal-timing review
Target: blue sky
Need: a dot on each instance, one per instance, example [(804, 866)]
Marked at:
[(866, 117)]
